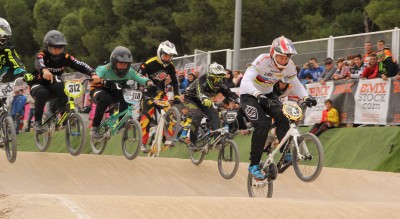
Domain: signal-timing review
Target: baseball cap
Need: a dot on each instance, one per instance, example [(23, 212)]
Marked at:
[(328, 61)]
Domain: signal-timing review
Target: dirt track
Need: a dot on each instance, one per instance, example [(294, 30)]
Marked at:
[(49, 185)]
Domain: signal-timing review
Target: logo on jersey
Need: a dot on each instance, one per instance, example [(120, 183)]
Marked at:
[(160, 75), (251, 112)]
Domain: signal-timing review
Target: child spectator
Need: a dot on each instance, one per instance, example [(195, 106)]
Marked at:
[(330, 119)]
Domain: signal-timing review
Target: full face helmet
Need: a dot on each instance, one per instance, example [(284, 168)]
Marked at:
[(121, 54), (167, 48), (215, 75), (5, 32), (56, 39), (282, 46)]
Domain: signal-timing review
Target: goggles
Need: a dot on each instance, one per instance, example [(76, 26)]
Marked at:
[(3, 40), (217, 78)]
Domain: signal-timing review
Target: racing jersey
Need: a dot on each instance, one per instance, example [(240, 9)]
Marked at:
[(156, 72), (43, 60), (10, 64), (106, 72), (200, 90), (262, 75)]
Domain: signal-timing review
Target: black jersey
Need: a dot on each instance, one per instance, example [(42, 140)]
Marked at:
[(11, 65), (156, 72)]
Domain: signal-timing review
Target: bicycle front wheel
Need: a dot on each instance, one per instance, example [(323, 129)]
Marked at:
[(172, 123), (309, 165), (228, 159), (9, 139), (131, 139), (75, 134), (43, 139)]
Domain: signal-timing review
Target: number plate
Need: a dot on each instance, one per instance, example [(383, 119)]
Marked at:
[(6, 89), (132, 96), (230, 116), (73, 89)]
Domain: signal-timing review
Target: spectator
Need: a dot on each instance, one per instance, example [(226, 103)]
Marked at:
[(31, 102), (358, 67), (183, 83), (329, 70), (342, 70), (228, 80), (311, 68), (371, 71), (191, 77), (17, 108), (387, 68), (330, 119), (381, 46), (368, 52), (196, 74), (237, 78)]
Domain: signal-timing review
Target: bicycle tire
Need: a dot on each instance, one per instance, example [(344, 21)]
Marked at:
[(229, 152), (43, 140), (197, 157), (259, 188), (98, 146), (132, 126), (75, 128), (9, 139), (313, 162), (172, 116)]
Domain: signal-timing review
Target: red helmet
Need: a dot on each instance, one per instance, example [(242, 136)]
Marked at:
[(282, 46)]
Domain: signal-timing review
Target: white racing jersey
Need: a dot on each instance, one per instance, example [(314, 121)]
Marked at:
[(263, 74)]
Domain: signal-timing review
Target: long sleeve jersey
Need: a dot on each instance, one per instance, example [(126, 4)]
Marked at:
[(156, 72), (199, 90), (44, 61), (11, 65), (263, 74)]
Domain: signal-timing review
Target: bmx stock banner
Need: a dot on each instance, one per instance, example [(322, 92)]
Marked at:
[(358, 101)]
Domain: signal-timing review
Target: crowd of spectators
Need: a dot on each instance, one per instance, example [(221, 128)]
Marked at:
[(373, 64)]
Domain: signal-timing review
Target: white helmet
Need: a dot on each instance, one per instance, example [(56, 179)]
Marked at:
[(282, 46), (215, 75), (166, 47), (5, 32)]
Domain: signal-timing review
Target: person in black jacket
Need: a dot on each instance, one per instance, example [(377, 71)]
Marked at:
[(49, 63), (198, 99), (11, 66)]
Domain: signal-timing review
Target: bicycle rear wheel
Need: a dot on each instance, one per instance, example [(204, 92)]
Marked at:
[(131, 139), (228, 159), (99, 145), (172, 123), (9, 139), (309, 166), (197, 157), (75, 134), (43, 139)]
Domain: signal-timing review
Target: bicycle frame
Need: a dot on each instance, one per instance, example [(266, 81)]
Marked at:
[(292, 134), (114, 119), (221, 137)]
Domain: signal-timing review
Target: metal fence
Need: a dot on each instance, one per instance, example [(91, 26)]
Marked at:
[(334, 47)]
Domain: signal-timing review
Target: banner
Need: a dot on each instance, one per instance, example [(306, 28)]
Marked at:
[(358, 101)]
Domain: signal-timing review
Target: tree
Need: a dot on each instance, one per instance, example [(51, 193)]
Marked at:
[(384, 13)]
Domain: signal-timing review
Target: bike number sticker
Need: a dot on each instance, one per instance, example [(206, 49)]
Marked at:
[(73, 89)]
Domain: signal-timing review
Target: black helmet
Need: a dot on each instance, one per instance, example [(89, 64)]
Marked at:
[(54, 38), (5, 32), (121, 54)]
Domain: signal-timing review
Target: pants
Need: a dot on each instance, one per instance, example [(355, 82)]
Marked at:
[(148, 111), (318, 128), (262, 123), (17, 122), (103, 98), (31, 113), (196, 113), (42, 94)]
